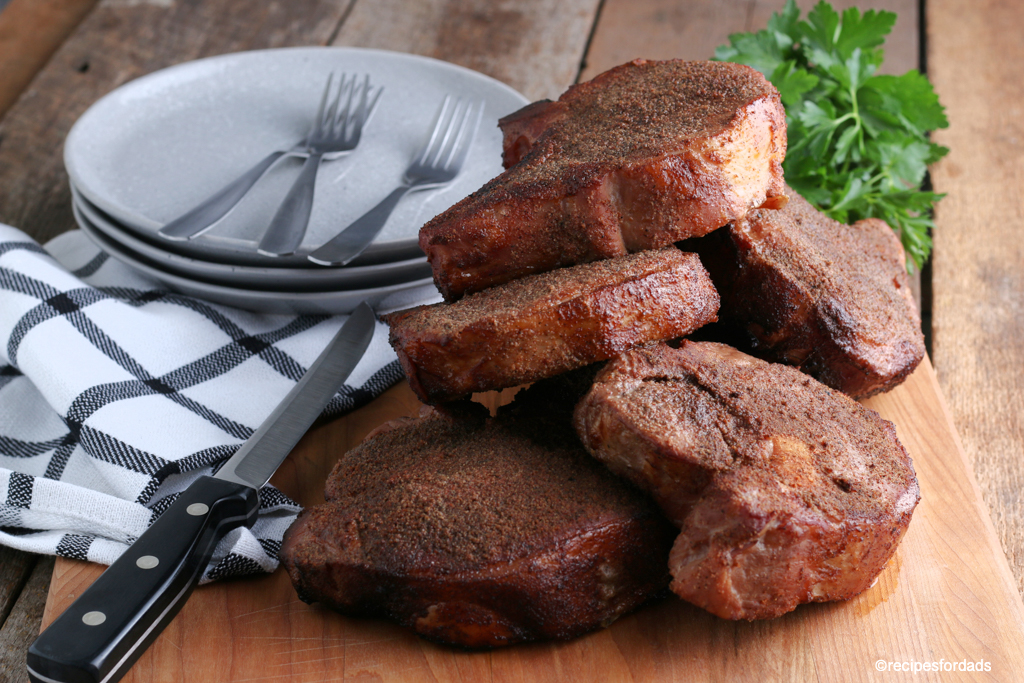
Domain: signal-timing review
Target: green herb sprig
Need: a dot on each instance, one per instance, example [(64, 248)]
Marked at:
[(858, 142)]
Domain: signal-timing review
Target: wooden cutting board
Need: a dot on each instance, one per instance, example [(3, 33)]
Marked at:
[(947, 594)]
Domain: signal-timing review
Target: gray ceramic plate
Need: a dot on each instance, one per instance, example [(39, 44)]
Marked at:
[(283, 279), (237, 252), (382, 299), (157, 146)]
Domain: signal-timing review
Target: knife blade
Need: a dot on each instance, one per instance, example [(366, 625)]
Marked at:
[(102, 633)]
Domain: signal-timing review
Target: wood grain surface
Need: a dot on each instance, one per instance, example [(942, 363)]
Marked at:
[(30, 32), (15, 567), (974, 59), (536, 47), (948, 593), (668, 29), (22, 624)]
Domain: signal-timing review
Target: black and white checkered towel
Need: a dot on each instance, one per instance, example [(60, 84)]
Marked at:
[(115, 394)]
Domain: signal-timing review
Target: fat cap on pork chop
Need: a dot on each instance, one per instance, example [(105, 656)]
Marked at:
[(644, 155), (785, 491)]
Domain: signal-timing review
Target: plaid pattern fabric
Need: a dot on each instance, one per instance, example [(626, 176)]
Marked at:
[(115, 394)]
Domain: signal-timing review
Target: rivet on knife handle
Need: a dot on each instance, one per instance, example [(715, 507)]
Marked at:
[(112, 623)]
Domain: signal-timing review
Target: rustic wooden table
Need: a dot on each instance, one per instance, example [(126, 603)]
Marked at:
[(59, 56)]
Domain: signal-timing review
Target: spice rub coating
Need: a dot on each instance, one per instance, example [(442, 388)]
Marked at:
[(785, 491), (831, 299), (472, 533), (546, 324), (641, 156)]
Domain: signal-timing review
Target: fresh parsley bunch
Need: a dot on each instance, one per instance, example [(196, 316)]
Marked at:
[(858, 142)]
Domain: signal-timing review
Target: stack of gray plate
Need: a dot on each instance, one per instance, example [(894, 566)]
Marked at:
[(154, 148)]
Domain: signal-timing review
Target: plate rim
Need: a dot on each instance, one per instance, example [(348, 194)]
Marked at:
[(71, 140), (128, 241), (311, 298), (296, 261)]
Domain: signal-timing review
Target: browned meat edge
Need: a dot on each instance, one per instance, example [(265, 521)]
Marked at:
[(550, 323)]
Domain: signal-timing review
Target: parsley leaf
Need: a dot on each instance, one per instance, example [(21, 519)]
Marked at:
[(858, 141)]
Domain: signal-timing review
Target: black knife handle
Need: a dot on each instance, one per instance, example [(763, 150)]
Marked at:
[(103, 632)]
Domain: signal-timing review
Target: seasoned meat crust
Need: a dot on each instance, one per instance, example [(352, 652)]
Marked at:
[(550, 323), (833, 300), (472, 533), (784, 490), (641, 156)]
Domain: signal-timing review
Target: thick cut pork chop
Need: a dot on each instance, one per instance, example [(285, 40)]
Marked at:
[(641, 156), (546, 324), (473, 532), (784, 490), (833, 300)]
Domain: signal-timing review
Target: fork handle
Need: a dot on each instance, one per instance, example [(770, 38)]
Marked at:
[(288, 226), (353, 240), (216, 207)]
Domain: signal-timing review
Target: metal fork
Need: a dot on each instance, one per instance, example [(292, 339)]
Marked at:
[(334, 133), (439, 162), (203, 217)]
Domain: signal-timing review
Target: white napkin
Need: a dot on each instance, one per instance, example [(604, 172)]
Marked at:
[(115, 394)]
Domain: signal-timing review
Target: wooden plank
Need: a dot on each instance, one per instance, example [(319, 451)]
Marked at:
[(22, 626), (121, 40), (23, 587), (978, 267), (662, 29), (667, 29), (535, 46), (30, 32), (15, 567), (948, 593)]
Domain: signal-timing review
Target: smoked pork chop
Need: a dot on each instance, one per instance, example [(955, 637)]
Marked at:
[(472, 533), (784, 490), (641, 156), (546, 324), (833, 300)]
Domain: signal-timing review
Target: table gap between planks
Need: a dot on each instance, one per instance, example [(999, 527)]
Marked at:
[(538, 48)]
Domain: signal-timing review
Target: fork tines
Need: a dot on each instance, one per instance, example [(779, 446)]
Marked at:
[(444, 149), (346, 122)]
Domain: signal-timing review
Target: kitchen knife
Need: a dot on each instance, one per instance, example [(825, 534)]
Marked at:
[(102, 633)]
